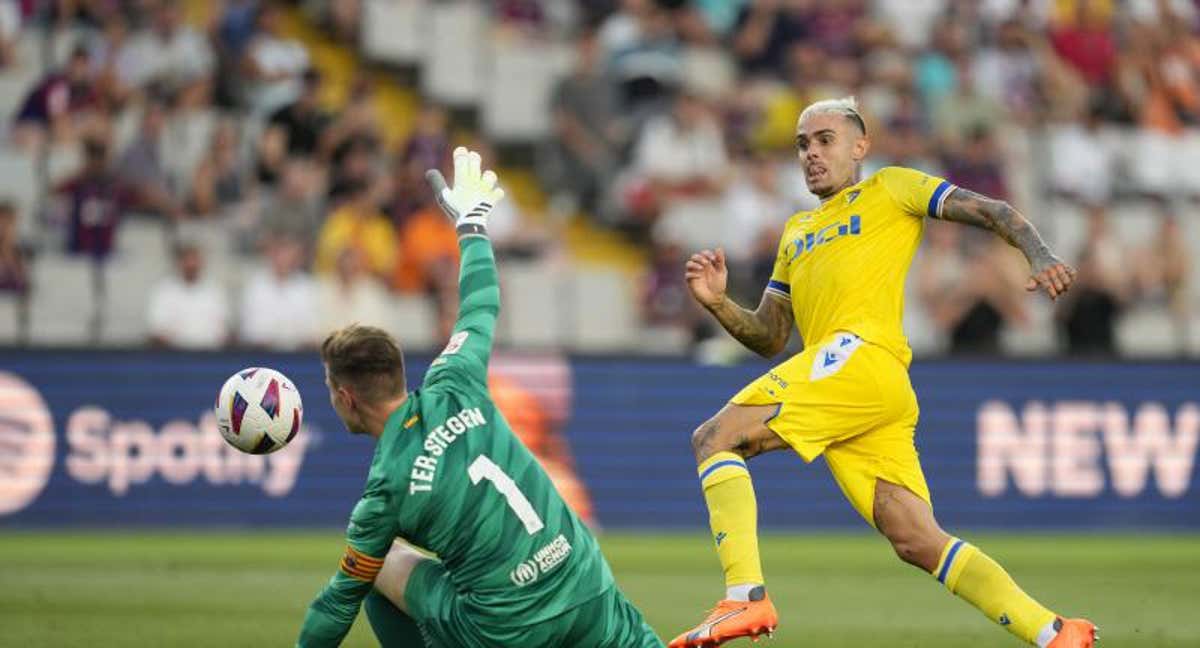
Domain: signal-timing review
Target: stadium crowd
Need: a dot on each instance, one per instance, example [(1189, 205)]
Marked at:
[(672, 125)]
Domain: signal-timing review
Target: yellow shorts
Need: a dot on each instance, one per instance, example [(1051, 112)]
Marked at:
[(851, 401)]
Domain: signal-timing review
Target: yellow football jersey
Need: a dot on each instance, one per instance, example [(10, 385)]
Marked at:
[(843, 265)]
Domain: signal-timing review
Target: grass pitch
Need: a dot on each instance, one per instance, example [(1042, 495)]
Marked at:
[(251, 588)]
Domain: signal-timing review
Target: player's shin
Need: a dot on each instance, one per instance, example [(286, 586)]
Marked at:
[(733, 515), (392, 627), (977, 579)]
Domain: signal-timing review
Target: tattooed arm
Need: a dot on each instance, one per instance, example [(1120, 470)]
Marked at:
[(764, 330), (1048, 271)]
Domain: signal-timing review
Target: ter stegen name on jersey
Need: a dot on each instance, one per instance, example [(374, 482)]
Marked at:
[(439, 438)]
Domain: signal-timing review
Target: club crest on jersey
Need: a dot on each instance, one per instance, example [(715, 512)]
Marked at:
[(827, 234)]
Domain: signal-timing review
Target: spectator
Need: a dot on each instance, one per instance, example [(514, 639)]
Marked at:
[(56, 107), (222, 178), (969, 298), (904, 141), (141, 166), (352, 295), (1088, 314), (964, 112), (429, 253), (342, 19), (188, 310), (681, 163), (1082, 160), (834, 25), (753, 203), (294, 211), (936, 75), (428, 261), (766, 31), (358, 224), (762, 263), (428, 146), (95, 202), (170, 55), (109, 52), (273, 64), (355, 166), (296, 130), (665, 299), (1162, 269), (235, 28), (977, 166), (649, 63), (357, 124), (231, 33), (585, 153), (14, 276), (1008, 72), (279, 304), (1085, 40)]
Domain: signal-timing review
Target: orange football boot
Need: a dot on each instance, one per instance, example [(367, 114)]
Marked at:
[(1074, 633), (732, 619)]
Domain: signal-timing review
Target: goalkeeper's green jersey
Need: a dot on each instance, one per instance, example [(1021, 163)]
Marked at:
[(450, 476)]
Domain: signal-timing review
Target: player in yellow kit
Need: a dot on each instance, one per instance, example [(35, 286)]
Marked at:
[(839, 277)]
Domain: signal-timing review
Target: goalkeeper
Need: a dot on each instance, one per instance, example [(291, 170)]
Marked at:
[(514, 567)]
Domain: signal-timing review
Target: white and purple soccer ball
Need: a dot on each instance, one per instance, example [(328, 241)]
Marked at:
[(258, 410)]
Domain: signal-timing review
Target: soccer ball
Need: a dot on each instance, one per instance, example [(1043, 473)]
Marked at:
[(258, 410)]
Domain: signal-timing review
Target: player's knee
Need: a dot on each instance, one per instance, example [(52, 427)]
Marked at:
[(707, 440), (916, 549)]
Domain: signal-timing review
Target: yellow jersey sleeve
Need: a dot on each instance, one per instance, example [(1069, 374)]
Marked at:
[(918, 194), (779, 284)]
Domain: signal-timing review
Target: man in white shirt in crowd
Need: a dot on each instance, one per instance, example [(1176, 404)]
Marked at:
[(352, 295), (279, 303), (169, 53), (188, 310)]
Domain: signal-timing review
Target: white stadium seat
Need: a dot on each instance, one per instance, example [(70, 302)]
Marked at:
[(1039, 337), (414, 322), (393, 31), (453, 71), (18, 181), (61, 309), (1149, 331), (520, 82), (603, 311), (532, 305), (9, 329), (129, 280)]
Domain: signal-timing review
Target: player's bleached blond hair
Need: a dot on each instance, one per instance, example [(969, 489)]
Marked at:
[(845, 106)]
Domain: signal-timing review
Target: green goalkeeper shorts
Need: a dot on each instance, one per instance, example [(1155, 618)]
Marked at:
[(607, 621)]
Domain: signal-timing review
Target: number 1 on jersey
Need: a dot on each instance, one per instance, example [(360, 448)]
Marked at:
[(485, 468)]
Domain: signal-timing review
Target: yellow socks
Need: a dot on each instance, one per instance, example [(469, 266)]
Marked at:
[(733, 516), (972, 576)]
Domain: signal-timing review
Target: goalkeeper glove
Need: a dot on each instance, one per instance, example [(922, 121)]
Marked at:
[(473, 196)]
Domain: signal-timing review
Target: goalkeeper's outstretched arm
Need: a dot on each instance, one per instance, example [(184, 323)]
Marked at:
[(468, 204)]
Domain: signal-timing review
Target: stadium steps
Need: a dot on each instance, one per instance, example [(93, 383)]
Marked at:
[(397, 104)]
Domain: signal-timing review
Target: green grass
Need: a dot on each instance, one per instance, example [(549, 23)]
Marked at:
[(251, 588)]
